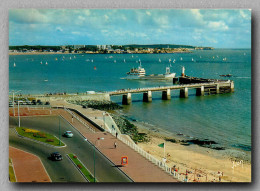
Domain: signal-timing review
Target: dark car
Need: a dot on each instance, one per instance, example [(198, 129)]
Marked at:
[(56, 156)]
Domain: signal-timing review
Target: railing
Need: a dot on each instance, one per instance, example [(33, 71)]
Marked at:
[(151, 158), (80, 120), (165, 87)]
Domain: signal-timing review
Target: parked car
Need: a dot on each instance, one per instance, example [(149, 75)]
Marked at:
[(68, 134), (56, 156)]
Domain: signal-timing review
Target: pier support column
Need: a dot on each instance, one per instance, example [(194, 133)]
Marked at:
[(217, 89), (232, 87), (184, 93), (147, 96), (200, 91), (166, 94), (127, 99)]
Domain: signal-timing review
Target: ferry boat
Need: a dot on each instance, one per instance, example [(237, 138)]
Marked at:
[(140, 74)]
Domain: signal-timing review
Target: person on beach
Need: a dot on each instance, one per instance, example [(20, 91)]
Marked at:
[(115, 145)]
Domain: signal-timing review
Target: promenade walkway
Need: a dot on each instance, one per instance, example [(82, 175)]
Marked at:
[(27, 167)]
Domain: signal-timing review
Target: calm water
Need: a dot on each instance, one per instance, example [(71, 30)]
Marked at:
[(225, 119)]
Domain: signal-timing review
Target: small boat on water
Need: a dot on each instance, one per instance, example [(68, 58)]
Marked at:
[(46, 63), (124, 61), (160, 60), (224, 59), (41, 62), (181, 58), (14, 64), (114, 61)]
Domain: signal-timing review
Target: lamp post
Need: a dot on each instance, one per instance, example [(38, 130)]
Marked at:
[(94, 156), (59, 130), (13, 98), (104, 121), (19, 115)]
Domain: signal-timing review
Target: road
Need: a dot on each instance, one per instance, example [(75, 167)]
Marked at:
[(61, 171)]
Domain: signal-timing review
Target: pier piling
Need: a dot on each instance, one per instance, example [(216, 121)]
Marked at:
[(166, 94), (184, 92), (200, 91), (127, 99), (147, 96)]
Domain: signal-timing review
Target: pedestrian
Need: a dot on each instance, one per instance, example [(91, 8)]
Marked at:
[(116, 134), (115, 145)]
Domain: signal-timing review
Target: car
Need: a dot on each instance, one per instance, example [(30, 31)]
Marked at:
[(56, 156), (68, 134)]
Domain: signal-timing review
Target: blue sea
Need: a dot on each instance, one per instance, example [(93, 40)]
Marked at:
[(225, 119)]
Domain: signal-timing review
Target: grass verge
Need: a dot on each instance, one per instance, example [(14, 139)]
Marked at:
[(11, 172), (39, 136), (81, 167)]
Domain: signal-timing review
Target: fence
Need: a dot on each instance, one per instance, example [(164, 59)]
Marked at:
[(80, 120), (151, 158)]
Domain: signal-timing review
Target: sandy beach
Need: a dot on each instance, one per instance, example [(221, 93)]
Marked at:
[(202, 164)]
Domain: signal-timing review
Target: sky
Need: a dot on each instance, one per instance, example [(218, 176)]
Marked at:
[(218, 28)]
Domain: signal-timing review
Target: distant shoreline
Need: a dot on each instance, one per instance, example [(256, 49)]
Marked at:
[(42, 53)]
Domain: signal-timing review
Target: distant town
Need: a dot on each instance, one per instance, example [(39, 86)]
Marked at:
[(107, 49)]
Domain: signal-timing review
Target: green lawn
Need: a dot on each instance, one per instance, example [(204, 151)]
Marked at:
[(39, 136), (82, 169), (11, 172)]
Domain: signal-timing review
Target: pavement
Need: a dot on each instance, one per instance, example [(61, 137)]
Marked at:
[(27, 167)]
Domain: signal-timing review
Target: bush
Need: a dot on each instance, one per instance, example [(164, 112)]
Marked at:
[(75, 157), (49, 140), (79, 166)]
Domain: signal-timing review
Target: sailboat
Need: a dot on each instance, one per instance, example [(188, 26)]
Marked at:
[(170, 60), (192, 60), (160, 60), (114, 61), (14, 64), (41, 62), (124, 60), (92, 60), (46, 63), (181, 58)]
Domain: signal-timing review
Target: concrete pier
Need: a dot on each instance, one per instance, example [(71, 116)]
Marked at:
[(232, 87), (147, 96), (217, 89), (166, 94), (200, 91), (127, 99), (184, 92)]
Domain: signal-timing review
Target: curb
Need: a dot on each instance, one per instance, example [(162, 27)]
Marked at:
[(13, 170), (98, 150), (78, 167), (46, 144)]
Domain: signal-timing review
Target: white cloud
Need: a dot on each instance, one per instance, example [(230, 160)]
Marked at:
[(59, 29), (75, 33), (218, 25), (148, 13)]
